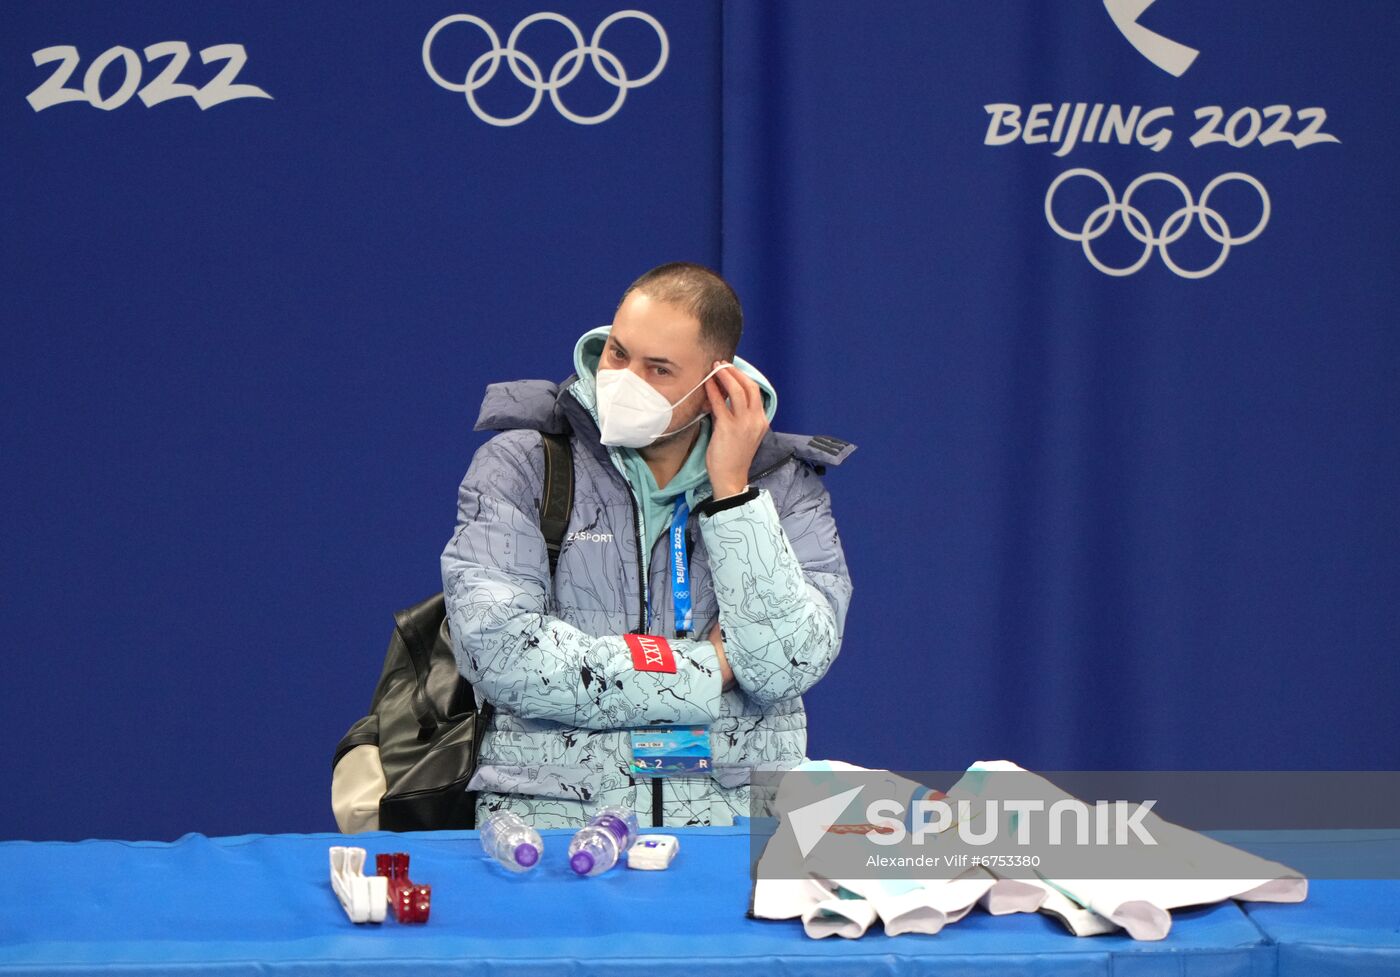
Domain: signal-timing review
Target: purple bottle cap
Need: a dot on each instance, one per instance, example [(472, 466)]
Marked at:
[(526, 854), (581, 862)]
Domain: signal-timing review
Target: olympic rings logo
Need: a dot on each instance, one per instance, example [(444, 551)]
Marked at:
[(565, 70), (1099, 220)]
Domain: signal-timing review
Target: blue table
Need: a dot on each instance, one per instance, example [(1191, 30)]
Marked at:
[(260, 904)]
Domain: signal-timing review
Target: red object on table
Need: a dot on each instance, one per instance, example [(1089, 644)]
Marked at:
[(410, 902)]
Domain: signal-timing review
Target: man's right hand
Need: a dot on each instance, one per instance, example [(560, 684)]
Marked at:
[(725, 673)]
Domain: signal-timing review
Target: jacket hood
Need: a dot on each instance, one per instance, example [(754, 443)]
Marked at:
[(571, 405)]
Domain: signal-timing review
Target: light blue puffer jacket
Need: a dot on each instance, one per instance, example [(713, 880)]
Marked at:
[(550, 654)]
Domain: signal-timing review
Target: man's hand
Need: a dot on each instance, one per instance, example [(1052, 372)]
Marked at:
[(725, 673), (739, 426)]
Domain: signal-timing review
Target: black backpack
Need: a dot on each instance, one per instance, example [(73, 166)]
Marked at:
[(424, 731)]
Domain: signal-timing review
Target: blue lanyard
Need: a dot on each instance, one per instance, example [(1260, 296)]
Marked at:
[(680, 571)]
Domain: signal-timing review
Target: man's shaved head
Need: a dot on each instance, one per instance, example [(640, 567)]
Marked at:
[(701, 293)]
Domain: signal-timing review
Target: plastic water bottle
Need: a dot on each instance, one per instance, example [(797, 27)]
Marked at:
[(599, 844), (510, 841)]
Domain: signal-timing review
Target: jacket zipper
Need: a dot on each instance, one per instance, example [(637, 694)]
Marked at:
[(643, 593), (656, 798), (773, 467)]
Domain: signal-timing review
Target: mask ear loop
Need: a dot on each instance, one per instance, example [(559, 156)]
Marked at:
[(722, 366), (704, 413)]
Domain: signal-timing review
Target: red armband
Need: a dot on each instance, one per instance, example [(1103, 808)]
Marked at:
[(650, 653)]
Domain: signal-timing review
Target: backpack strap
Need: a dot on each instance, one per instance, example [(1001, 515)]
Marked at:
[(419, 628), (557, 501)]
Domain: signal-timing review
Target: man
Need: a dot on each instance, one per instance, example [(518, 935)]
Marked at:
[(701, 585)]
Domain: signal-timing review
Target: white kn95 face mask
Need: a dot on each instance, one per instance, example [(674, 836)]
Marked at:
[(630, 411)]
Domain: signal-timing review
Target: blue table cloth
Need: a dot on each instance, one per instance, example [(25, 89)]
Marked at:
[(260, 904), (1347, 927)]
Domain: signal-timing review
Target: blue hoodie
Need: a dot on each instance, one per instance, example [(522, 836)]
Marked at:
[(656, 504)]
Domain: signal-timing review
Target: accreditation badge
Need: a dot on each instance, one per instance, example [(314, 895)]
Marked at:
[(669, 751)]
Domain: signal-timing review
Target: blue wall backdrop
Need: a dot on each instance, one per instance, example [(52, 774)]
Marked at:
[(1107, 297)]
